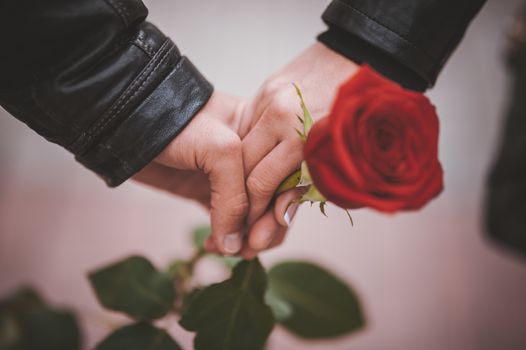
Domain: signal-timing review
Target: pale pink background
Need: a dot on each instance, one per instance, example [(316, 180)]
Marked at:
[(429, 280)]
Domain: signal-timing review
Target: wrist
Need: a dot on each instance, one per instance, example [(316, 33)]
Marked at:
[(327, 54), (357, 50)]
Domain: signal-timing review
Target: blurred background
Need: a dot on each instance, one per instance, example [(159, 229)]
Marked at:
[(428, 280)]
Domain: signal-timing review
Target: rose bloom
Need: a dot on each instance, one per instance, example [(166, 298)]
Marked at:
[(378, 147)]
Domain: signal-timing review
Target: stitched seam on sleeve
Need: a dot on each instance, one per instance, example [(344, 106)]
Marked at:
[(402, 37), (124, 9), (125, 99), (121, 10), (144, 46), (133, 89), (124, 164)]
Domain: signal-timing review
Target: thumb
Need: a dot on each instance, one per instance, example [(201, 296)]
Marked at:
[(229, 201), (287, 204)]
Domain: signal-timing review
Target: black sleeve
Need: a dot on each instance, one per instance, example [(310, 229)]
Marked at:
[(407, 40), (95, 78), (505, 206)]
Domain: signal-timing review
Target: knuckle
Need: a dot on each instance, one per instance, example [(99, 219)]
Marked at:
[(221, 146), (238, 206), (233, 146), (281, 109), (272, 86), (296, 145), (227, 145), (259, 188)]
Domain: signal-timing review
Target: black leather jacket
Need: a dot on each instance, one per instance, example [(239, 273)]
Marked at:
[(95, 78), (505, 204), (407, 40)]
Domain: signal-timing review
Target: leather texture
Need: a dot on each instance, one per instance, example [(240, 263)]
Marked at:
[(94, 77), (419, 35), (506, 192)]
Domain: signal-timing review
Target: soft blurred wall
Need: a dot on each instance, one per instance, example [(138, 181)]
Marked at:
[(429, 280)]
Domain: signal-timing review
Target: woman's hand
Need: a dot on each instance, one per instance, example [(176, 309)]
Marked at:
[(272, 149)]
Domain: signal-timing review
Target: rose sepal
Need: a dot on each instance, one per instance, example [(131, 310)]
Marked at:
[(301, 177)]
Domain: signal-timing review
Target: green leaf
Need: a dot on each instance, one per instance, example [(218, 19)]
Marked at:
[(200, 235), (13, 311), (281, 309), (138, 336), (232, 315), (230, 261), (135, 287), (50, 329), (320, 305), (11, 335), (188, 298), (27, 323)]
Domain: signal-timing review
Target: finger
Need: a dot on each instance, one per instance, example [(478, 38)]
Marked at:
[(214, 148), (257, 144), (186, 183), (264, 231), (210, 245), (156, 175), (279, 237), (229, 201), (269, 173), (287, 204), (235, 104), (247, 252), (252, 112)]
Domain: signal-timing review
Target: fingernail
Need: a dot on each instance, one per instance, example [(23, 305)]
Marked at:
[(232, 243), (290, 213)]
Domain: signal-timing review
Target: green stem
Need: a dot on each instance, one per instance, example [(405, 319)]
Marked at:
[(182, 277)]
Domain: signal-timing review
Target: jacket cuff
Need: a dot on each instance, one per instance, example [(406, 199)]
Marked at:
[(360, 52), (351, 20), (151, 126)]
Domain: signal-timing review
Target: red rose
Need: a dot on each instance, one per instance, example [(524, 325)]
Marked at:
[(377, 148)]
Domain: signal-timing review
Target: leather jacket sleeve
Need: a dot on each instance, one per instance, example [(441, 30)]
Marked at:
[(94, 77), (506, 186), (407, 40)]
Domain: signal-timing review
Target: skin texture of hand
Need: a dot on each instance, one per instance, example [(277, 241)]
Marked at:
[(272, 149), (233, 156), (205, 163)]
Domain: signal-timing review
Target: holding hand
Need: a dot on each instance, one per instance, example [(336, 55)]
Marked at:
[(233, 156), (205, 163), (272, 149)]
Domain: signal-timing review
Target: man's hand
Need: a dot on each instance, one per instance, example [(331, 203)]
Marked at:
[(205, 163), (272, 149), (230, 144)]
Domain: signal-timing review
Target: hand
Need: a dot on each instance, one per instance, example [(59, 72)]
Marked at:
[(205, 163), (272, 149)]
